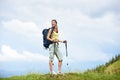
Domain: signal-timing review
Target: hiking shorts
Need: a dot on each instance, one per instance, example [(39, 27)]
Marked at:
[(54, 50)]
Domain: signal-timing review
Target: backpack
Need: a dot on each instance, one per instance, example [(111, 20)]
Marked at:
[(46, 42)]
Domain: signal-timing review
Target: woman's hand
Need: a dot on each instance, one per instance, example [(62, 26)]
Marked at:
[(55, 40), (52, 40), (64, 41)]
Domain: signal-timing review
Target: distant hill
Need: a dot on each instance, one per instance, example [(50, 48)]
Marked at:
[(111, 67)]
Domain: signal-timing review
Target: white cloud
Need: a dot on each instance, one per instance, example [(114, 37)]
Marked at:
[(75, 54), (44, 9), (74, 21), (79, 29), (28, 29), (86, 36), (103, 29), (9, 54), (88, 54)]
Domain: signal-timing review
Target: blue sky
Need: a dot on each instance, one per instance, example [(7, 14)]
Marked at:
[(91, 27)]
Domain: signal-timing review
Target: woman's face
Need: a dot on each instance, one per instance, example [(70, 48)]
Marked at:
[(53, 24)]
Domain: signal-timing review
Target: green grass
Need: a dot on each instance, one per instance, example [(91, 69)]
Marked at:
[(113, 68), (67, 76)]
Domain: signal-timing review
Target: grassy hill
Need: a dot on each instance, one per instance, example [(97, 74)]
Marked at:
[(111, 67), (108, 71), (67, 76)]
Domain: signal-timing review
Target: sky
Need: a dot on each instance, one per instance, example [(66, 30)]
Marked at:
[(91, 27)]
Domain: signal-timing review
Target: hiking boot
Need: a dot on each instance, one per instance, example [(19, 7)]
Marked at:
[(53, 73)]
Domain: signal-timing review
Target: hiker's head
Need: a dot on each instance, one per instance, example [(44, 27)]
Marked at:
[(54, 23)]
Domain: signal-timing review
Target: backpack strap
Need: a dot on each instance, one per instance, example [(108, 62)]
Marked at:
[(51, 31)]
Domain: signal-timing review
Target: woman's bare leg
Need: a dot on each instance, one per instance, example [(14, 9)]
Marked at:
[(51, 66), (59, 66)]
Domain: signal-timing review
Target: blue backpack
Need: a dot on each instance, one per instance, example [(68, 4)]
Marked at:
[(46, 42)]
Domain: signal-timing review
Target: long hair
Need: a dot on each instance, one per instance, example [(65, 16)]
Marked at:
[(56, 25)]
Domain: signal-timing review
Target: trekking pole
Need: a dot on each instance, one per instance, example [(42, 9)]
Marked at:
[(67, 56), (66, 49)]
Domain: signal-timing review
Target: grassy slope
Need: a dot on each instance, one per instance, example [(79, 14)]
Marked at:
[(69, 76), (113, 68)]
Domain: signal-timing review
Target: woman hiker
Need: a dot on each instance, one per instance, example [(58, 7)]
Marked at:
[(54, 47)]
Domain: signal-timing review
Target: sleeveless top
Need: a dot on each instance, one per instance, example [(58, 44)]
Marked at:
[(54, 35)]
